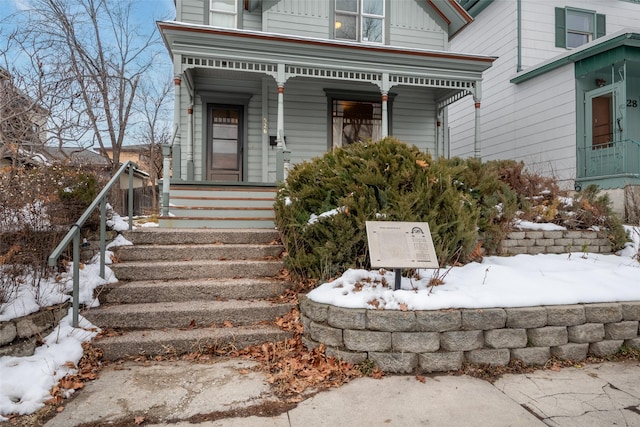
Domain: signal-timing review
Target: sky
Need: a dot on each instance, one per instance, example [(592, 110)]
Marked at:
[(521, 280), (145, 15)]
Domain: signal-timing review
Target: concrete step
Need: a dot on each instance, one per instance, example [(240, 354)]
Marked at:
[(222, 212), (224, 200), (168, 270), (179, 341), (172, 236), (187, 290), (198, 252), (219, 223), (185, 314), (240, 192)]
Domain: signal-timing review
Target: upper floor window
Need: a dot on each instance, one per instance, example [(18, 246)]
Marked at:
[(223, 13), (575, 27), (359, 20)]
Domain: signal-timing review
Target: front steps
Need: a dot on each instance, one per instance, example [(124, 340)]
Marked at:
[(198, 205), (183, 291)]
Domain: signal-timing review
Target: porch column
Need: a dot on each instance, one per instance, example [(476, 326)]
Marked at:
[(176, 143), (385, 110), (439, 136), (282, 154), (477, 96), (170, 151), (190, 173)]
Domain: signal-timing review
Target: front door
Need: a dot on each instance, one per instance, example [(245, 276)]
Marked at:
[(225, 142), (602, 123)]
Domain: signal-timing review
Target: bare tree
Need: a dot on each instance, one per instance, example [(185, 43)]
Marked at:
[(154, 130), (89, 58)]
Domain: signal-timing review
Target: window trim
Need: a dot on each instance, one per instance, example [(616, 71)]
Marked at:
[(237, 14), (562, 29), (359, 14), (355, 95)]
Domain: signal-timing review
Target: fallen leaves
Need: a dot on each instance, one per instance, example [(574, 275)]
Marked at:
[(87, 370), (291, 368)]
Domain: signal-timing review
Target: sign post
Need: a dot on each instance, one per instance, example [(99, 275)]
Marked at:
[(399, 245)]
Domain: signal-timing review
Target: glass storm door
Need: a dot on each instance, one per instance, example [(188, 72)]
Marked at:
[(225, 143)]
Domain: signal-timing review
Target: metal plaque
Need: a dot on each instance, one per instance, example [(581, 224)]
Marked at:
[(401, 245)]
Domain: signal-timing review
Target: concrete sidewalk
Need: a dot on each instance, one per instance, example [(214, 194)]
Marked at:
[(232, 393)]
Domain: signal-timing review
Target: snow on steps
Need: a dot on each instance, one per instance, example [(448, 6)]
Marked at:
[(211, 294)]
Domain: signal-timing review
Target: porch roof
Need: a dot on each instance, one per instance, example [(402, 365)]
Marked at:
[(624, 37), (271, 48)]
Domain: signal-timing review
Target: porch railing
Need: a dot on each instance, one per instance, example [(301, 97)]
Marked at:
[(74, 233), (618, 158)]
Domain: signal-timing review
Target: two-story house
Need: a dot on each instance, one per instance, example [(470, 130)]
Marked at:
[(564, 94), (263, 84)]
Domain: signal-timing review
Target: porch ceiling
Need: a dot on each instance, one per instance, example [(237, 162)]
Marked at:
[(206, 42)]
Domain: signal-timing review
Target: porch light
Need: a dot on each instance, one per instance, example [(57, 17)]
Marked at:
[(338, 25)]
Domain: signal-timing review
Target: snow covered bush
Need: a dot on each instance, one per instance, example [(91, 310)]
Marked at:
[(322, 208)]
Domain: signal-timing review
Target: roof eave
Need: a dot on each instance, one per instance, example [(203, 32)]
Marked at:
[(596, 47), (182, 38)]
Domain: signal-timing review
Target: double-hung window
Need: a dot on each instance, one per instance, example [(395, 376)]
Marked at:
[(359, 20), (575, 27), (223, 13)]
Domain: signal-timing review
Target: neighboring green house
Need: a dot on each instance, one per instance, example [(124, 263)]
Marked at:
[(264, 84), (564, 95)]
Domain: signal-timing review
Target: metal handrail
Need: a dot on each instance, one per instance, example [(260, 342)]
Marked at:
[(74, 233)]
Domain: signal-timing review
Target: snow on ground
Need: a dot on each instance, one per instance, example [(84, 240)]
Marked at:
[(517, 281), (25, 382)]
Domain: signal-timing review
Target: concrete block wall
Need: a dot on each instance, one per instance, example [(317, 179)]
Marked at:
[(20, 336), (442, 340), (555, 242)]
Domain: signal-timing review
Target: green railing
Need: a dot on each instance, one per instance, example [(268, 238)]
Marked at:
[(618, 158), (74, 233)]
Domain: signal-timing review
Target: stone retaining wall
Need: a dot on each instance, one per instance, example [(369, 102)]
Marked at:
[(555, 242), (20, 336), (442, 340)]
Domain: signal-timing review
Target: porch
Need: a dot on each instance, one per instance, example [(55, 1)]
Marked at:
[(249, 105), (612, 165)]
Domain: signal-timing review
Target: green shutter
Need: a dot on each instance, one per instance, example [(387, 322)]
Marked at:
[(601, 24), (561, 28)]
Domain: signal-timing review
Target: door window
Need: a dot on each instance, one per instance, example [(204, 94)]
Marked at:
[(225, 147)]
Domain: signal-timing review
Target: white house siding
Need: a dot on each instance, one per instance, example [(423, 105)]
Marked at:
[(294, 17), (192, 11), (413, 117), (414, 24), (492, 33), (533, 121), (545, 125), (252, 20), (538, 23)]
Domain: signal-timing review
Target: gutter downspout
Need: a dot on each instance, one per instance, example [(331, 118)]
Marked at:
[(519, 36)]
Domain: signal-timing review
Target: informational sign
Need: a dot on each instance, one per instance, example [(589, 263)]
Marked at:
[(401, 245)]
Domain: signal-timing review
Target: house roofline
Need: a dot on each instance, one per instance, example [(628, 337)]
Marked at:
[(453, 14), (258, 35), (625, 37), (474, 7)]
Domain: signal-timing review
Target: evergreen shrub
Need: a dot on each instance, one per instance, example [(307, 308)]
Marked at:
[(385, 181)]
